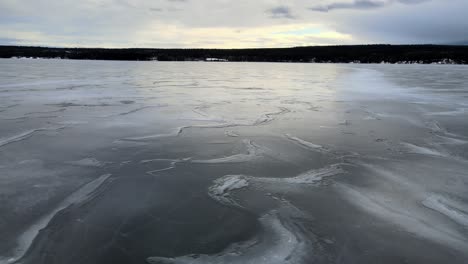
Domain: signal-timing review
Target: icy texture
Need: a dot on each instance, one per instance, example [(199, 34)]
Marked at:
[(454, 210), (81, 195), (253, 152), (313, 176), (282, 243), (336, 163), (87, 162), (222, 187)]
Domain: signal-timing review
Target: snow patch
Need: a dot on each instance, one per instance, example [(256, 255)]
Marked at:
[(86, 162), (222, 187), (230, 133)]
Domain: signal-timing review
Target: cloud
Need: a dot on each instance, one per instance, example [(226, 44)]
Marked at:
[(280, 12), (362, 4), (433, 22), (230, 24)]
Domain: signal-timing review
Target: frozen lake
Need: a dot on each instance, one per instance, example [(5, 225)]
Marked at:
[(195, 162)]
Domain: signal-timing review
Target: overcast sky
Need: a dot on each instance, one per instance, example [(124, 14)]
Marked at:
[(230, 23)]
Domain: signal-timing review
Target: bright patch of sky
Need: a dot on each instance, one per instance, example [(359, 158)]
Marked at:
[(301, 31)]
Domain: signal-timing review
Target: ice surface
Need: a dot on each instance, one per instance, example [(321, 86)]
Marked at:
[(335, 163)]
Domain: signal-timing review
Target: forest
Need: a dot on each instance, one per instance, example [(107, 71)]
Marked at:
[(444, 54)]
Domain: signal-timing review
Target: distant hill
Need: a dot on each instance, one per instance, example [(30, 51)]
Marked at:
[(459, 43), (335, 54)]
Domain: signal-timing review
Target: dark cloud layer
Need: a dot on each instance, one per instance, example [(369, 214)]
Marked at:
[(281, 12), (434, 22), (362, 4)]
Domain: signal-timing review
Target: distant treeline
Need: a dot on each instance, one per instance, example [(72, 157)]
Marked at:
[(335, 54)]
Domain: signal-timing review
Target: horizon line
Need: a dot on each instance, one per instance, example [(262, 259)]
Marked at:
[(253, 48)]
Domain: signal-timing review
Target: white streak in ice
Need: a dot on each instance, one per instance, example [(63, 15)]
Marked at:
[(453, 140), (87, 162), (221, 189), (267, 118), (253, 152), (24, 135), (307, 144), (25, 240), (452, 209), (303, 142), (172, 164), (313, 176), (282, 242), (175, 132), (412, 223), (458, 111), (423, 150)]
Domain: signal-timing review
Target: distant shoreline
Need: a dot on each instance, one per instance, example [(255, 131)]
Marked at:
[(202, 61), (391, 54)]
